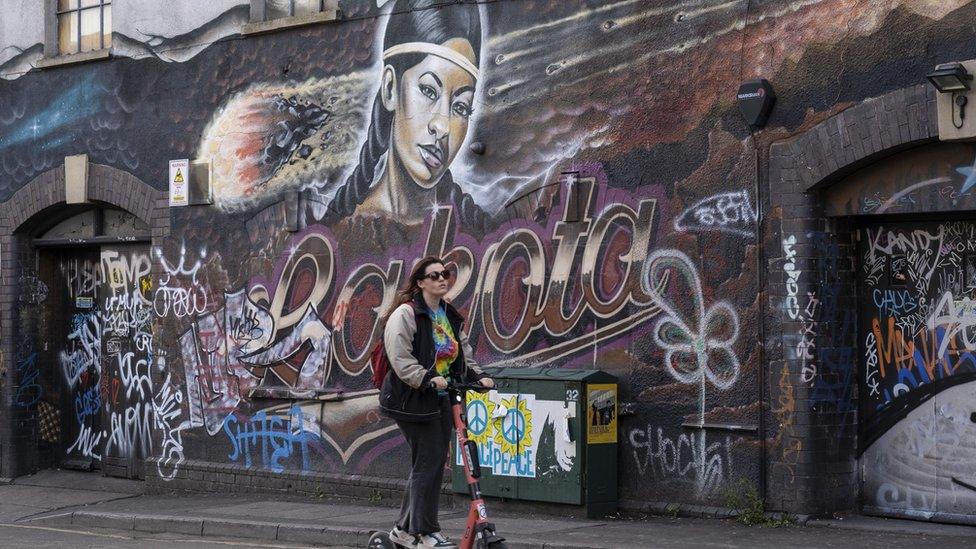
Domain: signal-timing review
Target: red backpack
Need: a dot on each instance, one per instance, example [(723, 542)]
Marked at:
[(379, 362)]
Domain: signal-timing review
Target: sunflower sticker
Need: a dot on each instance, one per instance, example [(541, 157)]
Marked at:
[(479, 411), (516, 427)]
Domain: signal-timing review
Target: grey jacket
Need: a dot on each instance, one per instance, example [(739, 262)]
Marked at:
[(398, 341)]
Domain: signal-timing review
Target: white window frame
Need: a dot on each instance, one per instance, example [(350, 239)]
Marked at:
[(101, 24), (53, 56), (291, 8), (328, 11)]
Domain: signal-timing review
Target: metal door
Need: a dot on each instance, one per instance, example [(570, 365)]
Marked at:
[(76, 349), (917, 333)]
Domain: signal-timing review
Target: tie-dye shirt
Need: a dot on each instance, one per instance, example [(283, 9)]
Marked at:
[(445, 345)]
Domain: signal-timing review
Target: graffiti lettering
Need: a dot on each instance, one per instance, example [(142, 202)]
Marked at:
[(792, 276), (28, 389), (894, 302), (167, 407), (687, 455), (179, 302), (730, 212), (278, 438), (130, 430), (87, 442), (958, 318), (83, 348), (871, 364)]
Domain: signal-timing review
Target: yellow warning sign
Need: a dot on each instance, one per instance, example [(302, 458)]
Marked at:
[(179, 182), (601, 413)]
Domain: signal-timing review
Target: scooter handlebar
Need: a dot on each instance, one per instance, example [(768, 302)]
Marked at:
[(477, 387)]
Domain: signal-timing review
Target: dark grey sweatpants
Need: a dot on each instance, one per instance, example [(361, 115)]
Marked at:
[(429, 441)]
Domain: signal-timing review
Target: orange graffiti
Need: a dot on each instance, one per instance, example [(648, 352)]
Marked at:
[(893, 349)]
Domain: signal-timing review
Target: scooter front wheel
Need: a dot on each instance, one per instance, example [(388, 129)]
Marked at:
[(495, 545), (381, 540)]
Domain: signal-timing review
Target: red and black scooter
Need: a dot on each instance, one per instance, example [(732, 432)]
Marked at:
[(478, 532)]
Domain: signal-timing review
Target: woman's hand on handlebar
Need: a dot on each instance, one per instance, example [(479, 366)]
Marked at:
[(487, 382), (438, 382)]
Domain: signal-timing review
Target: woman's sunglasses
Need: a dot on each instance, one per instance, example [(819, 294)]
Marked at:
[(437, 275)]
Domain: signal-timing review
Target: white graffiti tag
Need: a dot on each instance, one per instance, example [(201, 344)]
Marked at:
[(792, 276), (181, 298), (168, 407), (729, 212), (958, 318), (698, 348)]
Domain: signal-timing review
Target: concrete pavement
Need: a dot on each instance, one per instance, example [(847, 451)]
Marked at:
[(73, 502), (43, 537), (55, 492)]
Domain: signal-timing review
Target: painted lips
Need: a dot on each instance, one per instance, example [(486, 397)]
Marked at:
[(432, 156)]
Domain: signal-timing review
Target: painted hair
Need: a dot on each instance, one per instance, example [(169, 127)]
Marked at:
[(412, 286), (413, 21)]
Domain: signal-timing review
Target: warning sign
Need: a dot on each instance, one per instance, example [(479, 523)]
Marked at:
[(178, 184), (601, 413)]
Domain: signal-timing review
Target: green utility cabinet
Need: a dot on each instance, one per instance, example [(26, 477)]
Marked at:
[(546, 434)]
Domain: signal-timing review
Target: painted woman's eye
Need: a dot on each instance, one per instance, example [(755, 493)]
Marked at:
[(462, 109), (428, 91)]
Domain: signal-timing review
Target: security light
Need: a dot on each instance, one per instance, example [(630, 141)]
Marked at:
[(950, 77)]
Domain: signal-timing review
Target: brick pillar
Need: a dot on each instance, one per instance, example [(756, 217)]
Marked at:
[(811, 316)]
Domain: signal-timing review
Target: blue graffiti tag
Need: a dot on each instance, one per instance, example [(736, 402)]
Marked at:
[(277, 437), (29, 390)]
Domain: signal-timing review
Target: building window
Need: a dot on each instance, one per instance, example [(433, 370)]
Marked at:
[(276, 9), (84, 25)]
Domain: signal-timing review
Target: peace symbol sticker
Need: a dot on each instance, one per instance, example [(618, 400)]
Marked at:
[(479, 412)]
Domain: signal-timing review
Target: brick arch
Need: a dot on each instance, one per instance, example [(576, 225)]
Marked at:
[(853, 138), (810, 297), (106, 185)]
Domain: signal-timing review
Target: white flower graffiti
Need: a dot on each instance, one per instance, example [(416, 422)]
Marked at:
[(697, 342)]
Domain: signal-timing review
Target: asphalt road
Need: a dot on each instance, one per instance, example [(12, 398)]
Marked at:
[(39, 537)]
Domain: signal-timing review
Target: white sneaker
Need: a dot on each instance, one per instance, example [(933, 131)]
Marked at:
[(402, 538), (436, 540)]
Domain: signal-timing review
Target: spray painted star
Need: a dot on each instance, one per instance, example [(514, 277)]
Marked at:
[(970, 173)]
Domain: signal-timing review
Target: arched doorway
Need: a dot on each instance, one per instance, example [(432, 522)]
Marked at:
[(93, 340), (77, 323), (915, 265)]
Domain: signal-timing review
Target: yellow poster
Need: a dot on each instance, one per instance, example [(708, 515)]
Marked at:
[(601, 413)]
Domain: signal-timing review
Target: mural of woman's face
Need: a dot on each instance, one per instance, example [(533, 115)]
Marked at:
[(432, 105)]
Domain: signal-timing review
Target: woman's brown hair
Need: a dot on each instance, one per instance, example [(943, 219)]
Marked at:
[(412, 286)]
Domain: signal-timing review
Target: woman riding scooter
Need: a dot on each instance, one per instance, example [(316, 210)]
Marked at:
[(426, 346)]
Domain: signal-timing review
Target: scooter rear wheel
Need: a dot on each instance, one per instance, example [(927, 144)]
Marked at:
[(381, 540)]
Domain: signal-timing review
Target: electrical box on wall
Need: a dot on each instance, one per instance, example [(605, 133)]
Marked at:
[(957, 110), (200, 188)]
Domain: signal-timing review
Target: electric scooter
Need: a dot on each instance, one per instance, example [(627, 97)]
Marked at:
[(478, 532)]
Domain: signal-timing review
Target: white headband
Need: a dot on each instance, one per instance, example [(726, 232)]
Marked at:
[(434, 49)]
